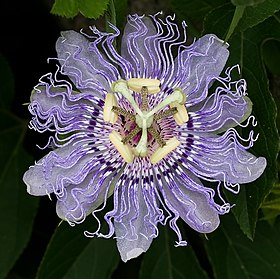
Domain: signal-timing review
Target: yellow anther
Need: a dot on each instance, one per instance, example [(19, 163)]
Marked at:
[(108, 114), (124, 150), (181, 116), (161, 152), (136, 84)]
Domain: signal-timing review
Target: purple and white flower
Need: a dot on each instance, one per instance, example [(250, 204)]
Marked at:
[(147, 127)]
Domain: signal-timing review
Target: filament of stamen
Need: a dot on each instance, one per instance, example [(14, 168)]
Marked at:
[(144, 95), (131, 135), (121, 111), (156, 136), (166, 113)]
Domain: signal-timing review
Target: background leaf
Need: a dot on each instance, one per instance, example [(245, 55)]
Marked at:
[(164, 260), (245, 50), (234, 256), (70, 254), (17, 208), (88, 8), (193, 12), (66, 8), (93, 9), (271, 56), (238, 13), (121, 12), (246, 2), (257, 14)]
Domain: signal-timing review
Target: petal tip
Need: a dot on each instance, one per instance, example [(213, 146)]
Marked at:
[(209, 227), (134, 253)]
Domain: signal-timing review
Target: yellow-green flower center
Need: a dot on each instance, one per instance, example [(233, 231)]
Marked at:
[(144, 117)]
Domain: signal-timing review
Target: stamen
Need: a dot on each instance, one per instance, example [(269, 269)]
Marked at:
[(156, 136), (131, 135), (136, 84), (144, 95), (121, 111), (108, 114), (144, 118), (181, 116), (161, 152), (124, 150), (166, 113)]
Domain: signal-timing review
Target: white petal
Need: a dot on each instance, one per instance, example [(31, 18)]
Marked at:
[(133, 235)]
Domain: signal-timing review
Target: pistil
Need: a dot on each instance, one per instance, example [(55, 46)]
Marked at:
[(121, 87), (144, 118), (142, 147), (177, 96)]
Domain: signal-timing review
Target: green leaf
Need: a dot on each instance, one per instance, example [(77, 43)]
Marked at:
[(165, 261), (17, 208), (245, 49), (110, 17), (251, 17), (66, 8), (71, 255), (271, 56), (93, 9), (218, 20), (121, 12), (257, 14), (271, 205), (234, 256), (246, 2), (193, 12), (239, 10), (88, 8)]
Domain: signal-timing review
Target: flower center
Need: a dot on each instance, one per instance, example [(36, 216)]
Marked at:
[(144, 117)]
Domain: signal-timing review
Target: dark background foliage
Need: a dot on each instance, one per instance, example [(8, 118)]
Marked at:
[(34, 245)]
